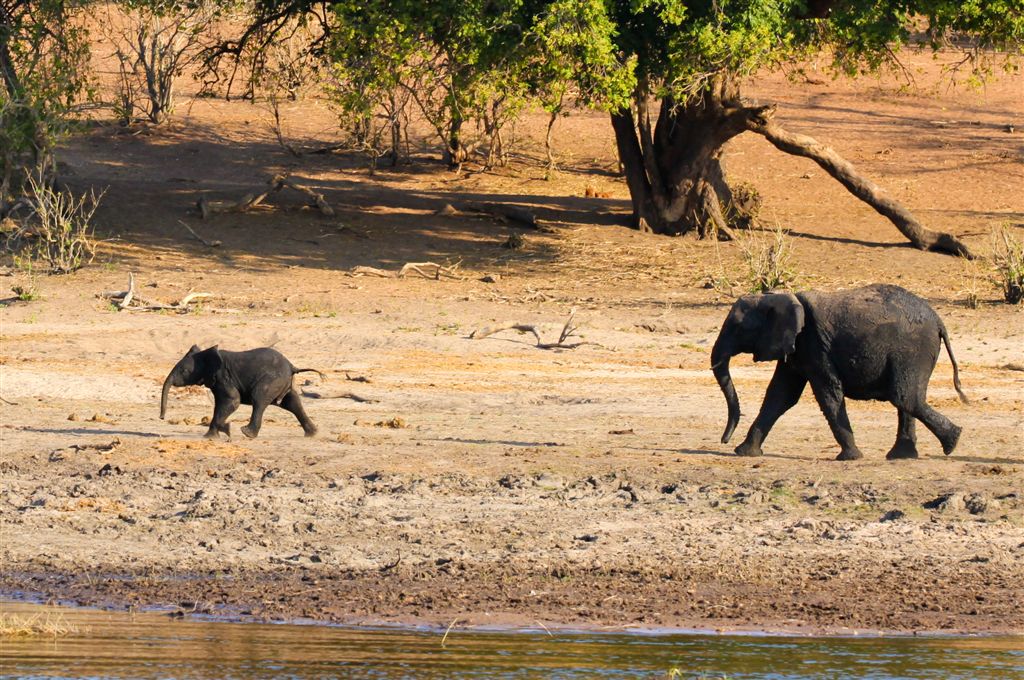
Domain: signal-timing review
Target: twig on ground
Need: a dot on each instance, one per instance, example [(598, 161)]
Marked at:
[(389, 567), (8, 402), (567, 332), (208, 244)]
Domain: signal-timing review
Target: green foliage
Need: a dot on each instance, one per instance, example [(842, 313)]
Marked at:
[(43, 77)]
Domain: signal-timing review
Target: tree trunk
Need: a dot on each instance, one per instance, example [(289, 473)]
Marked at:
[(858, 185), (673, 165)]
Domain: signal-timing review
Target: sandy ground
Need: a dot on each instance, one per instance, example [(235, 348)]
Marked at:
[(489, 481)]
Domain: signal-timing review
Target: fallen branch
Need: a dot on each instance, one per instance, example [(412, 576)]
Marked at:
[(344, 395), (421, 268), (251, 200), (129, 294), (208, 244), (860, 186), (514, 213), (568, 330), (129, 300)]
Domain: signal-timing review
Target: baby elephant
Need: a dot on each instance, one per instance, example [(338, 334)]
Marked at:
[(878, 342), (259, 377)]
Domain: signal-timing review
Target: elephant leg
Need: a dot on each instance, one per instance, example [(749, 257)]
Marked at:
[(223, 406), (292, 403), (829, 393), (906, 437), (252, 430), (942, 427), (782, 394)]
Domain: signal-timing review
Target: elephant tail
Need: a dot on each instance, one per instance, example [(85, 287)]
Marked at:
[(324, 377), (956, 369)]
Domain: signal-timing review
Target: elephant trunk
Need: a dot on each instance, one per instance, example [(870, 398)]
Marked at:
[(720, 356), (163, 394)]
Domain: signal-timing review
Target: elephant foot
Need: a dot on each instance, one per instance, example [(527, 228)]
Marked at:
[(749, 450), (950, 442), (902, 450), (852, 453), (249, 432), (310, 431), (211, 433)]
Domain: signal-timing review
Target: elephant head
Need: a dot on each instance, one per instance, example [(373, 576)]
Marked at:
[(197, 367), (763, 325)]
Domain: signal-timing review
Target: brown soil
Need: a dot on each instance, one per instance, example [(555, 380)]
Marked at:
[(582, 487)]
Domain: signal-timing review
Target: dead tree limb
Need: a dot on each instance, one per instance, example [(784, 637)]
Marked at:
[(421, 268), (567, 331), (343, 395), (129, 294), (129, 300), (208, 244), (860, 186), (253, 199), (514, 213)]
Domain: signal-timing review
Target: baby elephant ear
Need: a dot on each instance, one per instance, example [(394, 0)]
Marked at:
[(214, 358), (783, 321)]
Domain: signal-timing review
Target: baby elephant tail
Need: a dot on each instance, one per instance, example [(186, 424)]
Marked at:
[(324, 377), (956, 370)]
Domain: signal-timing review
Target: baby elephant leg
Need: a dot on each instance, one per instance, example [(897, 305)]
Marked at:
[(223, 406), (252, 430), (292, 403)]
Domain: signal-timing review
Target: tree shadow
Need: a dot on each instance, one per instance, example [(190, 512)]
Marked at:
[(153, 183)]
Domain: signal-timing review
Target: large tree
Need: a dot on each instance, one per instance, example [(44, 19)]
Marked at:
[(670, 73)]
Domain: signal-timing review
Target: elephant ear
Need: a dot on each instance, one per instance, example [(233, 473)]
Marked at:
[(783, 319), (210, 362), (194, 349)]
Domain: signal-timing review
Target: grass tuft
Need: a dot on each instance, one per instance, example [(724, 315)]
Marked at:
[(1008, 256), (48, 624), (767, 256)]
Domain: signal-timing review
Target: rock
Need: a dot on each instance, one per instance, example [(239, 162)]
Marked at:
[(893, 515), (586, 538), (950, 502), (490, 278), (977, 503)]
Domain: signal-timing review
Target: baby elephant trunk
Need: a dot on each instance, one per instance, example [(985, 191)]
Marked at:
[(170, 382)]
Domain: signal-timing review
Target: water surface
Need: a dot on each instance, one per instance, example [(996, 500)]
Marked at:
[(121, 645)]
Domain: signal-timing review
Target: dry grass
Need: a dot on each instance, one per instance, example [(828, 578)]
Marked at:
[(768, 258), (41, 624), (1008, 256)]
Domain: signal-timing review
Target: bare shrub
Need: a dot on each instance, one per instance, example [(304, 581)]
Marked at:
[(153, 41), (59, 232), (768, 258), (1008, 256)]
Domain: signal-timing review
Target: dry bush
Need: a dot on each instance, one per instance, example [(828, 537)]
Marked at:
[(60, 229), (1008, 257), (767, 256)]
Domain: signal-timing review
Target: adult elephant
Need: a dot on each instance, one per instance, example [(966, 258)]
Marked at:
[(877, 342)]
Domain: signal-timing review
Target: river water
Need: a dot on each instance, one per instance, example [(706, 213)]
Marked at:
[(150, 645)]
